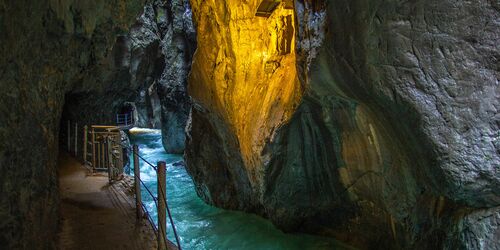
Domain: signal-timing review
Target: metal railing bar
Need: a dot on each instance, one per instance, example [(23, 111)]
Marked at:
[(125, 119), (151, 165), (164, 196), (140, 156), (173, 225), (150, 219), (155, 199), (111, 142), (150, 193)]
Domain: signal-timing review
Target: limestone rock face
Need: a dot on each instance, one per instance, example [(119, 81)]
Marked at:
[(148, 69), (126, 76), (244, 85), (145, 66), (178, 43), (382, 130), (47, 47)]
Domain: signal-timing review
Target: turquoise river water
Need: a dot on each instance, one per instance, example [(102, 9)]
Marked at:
[(201, 226)]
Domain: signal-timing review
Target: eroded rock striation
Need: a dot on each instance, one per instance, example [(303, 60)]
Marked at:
[(379, 126), (125, 77), (244, 83), (178, 43)]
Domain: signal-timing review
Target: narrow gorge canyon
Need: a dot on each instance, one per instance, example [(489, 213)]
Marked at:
[(375, 123)]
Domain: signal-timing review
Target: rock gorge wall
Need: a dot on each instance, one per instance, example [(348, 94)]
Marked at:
[(379, 128), (148, 68), (47, 48), (178, 43), (244, 83), (126, 75)]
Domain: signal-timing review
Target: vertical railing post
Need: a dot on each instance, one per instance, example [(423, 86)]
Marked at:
[(119, 159), (109, 147), (137, 178), (69, 136), (99, 151), (103, 153), (162, 203), (85, 142), (76, 140), (93, 151)]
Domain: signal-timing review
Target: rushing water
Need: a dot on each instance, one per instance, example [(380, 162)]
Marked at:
[(201, 226)]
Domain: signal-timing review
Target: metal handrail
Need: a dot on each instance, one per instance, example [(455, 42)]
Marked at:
[(148, 214), (150, 220), (124, 119), (112, 168), (155, 200)]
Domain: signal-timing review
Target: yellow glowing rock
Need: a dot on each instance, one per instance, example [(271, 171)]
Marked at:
[(244, 70)]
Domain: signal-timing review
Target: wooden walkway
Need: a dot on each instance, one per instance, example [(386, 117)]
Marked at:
[(96, 215)]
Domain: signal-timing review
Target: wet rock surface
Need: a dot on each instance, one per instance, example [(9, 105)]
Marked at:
[(178, 44), (394, 142), (422, 86), (126, 78), (244, 85), (47, 48), (147, 69)]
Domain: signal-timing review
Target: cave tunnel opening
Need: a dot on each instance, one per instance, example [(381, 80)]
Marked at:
[(126, 115)]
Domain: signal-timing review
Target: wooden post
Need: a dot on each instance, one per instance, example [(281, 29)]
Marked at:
[(103, 153), (119, 160), (162, 203), (76, 139), (93, 150), (137, 178), (98, 155), (109, 146), (69, 136), (85, 144)]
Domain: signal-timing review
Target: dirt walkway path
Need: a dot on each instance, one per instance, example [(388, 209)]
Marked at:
[(96, 215)]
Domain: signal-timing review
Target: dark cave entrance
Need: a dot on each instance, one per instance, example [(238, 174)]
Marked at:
[(126, 115)]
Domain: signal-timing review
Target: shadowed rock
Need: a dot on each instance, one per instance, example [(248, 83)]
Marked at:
[(392, 141)]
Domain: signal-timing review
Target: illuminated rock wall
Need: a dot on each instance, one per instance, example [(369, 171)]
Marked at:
[(244, 85), (380, 131)]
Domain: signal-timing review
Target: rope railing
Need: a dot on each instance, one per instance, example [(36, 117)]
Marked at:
[(161, 196)]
